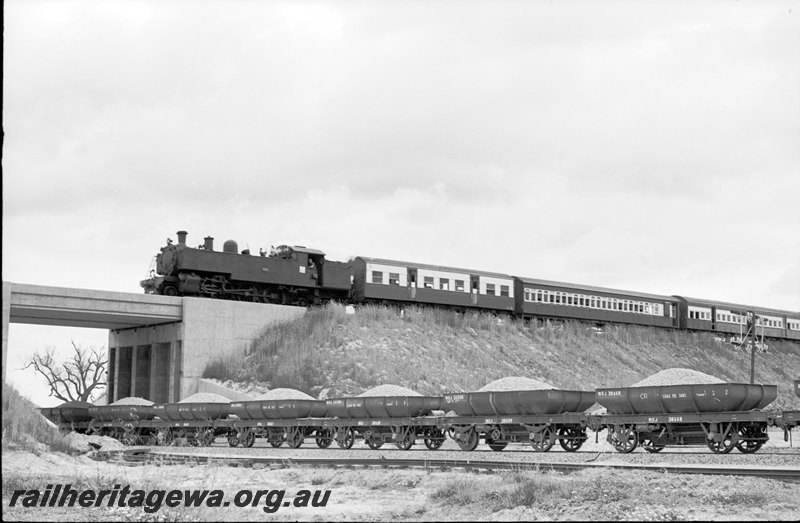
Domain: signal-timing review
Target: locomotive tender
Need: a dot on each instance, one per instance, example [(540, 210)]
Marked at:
[(296, 275)]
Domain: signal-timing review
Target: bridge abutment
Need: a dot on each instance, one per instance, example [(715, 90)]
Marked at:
[(166, 361), (158, 346)]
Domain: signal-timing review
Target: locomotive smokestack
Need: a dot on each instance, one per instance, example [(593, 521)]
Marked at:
[(182, 238), (209, 245)]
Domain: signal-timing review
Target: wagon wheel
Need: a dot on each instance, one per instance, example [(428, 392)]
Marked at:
[(407, 440), (207, 438), (496, 446), (249, 439), (324, 438), (233, 439), (130, 438), (722, 447), (434, 438), (544, 440), (571, 438), (624, 439), (373, 442), (746, 443), (347, 439), (652, 445), (169, 290), (276, 440), (468, 440), (164, 437), (295, 438), (302, 302)]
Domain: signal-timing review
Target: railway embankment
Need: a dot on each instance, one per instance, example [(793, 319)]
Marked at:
[(330, 352)]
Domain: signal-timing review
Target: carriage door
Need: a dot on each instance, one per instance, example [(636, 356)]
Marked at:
[(474, 288), (412, 283)]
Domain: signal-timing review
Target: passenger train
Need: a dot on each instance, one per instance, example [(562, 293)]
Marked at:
[(296, 275)]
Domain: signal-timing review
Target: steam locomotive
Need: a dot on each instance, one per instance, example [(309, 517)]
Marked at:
[(297, 275)]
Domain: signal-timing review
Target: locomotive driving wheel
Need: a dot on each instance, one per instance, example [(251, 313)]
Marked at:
[(468, 440), (544, 440), (571, 438), (347, 438), (749, 436)]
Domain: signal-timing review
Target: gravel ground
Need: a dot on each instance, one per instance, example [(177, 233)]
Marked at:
[(776, 452)]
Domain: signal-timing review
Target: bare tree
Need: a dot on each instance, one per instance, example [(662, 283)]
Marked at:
[(78, 378)]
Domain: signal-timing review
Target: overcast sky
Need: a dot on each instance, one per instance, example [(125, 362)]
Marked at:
[(649, 146)]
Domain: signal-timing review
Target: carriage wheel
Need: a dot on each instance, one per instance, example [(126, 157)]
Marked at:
[(347, 439), (468, 440), (544, 440), (624, 439), (324, 438), (434, 438)]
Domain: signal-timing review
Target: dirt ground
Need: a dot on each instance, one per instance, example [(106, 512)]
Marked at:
[(404, 494)]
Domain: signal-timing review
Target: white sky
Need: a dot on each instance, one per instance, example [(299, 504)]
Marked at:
[(650, 146)]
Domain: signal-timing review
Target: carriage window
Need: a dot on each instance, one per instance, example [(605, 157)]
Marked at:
[(377, 277), (460, 285), (394, 278), (504, 290), (428, 282), (490, 289), (444, 284)]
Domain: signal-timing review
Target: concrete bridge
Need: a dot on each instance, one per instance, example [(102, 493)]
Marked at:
[(158, 346)]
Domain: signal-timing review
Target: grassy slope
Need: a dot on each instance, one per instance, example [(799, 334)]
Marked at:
[(434, 352), (24, 427)]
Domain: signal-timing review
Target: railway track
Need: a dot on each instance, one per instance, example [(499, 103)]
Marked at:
[(138, 457)]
